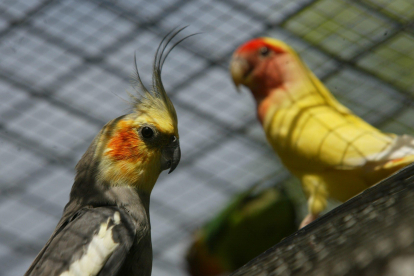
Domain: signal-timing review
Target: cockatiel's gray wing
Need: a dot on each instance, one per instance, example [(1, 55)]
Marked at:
[(92, 241)]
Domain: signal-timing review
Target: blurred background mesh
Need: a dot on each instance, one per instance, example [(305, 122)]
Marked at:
[(65, 68)]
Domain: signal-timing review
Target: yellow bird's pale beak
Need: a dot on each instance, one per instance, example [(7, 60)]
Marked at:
[(239, 69)]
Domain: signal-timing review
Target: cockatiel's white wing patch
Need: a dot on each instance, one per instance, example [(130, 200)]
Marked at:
[(97, 252), (93, 241)]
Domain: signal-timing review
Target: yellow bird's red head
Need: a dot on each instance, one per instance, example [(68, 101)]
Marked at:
[(274, 73), (257, 65)]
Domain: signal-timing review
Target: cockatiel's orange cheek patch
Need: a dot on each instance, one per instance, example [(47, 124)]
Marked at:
[(126, 145)]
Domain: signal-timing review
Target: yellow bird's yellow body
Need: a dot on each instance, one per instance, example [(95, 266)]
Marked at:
[(333, 152)]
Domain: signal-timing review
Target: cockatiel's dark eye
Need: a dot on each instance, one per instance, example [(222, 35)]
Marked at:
[(173, 139), (147, 132), (264, 51)]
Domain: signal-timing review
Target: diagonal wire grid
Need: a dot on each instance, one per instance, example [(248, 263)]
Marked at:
[(65, 67)]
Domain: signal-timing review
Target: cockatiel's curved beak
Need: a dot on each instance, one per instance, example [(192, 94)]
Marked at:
[(239, 69), (170, 156)]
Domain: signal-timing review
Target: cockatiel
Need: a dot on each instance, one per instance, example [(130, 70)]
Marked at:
[(105, 228), (253, 222), (333, 152)]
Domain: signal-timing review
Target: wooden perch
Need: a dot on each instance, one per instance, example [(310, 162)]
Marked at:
[(370, 234)]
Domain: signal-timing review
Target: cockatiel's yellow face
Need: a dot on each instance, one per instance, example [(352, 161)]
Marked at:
[(133, 149), (138, 148)]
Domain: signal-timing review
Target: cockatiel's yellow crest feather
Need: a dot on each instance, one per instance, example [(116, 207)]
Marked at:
[(154, 104)]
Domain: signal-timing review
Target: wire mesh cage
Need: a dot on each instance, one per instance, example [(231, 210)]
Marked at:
[(65, 67)]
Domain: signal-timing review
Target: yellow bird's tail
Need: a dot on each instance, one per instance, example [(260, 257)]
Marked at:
[(395, 157)]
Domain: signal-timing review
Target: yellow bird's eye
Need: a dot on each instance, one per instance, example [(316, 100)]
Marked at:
[(264, 51), (173, 139)]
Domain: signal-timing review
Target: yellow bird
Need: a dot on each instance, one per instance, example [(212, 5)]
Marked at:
[(332, 151)]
